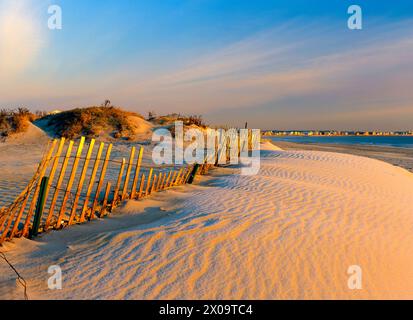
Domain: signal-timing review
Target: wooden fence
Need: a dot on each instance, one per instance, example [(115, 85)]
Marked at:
[(71, 185)]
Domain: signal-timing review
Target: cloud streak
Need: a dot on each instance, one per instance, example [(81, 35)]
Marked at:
[(295, 68), (268, 69)]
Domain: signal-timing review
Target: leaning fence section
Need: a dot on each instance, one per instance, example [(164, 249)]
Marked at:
[(75, 183)]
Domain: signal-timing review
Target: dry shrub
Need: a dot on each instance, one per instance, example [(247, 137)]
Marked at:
[(15, 121), (187, 120)]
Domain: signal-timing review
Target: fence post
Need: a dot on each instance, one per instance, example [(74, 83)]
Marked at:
[(148, 184), (120, 176), (153, 188), (105, 201), (59, 183), (39, 208), (193, 173), (100, 183), (172, 179), (141, 186), (91, 182), (137, 171), (128, 171), (166, 184)]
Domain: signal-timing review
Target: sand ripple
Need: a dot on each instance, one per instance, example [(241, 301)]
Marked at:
[(290, 232)]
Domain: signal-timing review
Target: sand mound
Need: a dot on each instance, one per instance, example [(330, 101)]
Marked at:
[(142, 129), (269, 146), (32, 135), (290, 232), (103, 123)]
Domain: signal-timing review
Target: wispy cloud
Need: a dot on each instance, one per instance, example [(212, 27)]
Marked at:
[(316, 70), (269, 68)]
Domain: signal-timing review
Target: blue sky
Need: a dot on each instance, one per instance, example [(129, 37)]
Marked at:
[(277, 64)]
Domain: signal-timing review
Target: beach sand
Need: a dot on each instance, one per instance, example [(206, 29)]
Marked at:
[(402, 157), (290, 232)]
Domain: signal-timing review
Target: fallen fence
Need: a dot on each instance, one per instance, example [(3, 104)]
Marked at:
[(70, 187)]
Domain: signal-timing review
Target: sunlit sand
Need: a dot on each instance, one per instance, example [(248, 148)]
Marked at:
[(290, 232)]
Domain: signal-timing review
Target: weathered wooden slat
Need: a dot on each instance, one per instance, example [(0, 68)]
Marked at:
[(178, 177), (105, 201), (205, 168), (158, 185), (81, 181), (137, 171), (55, 165), (3, 216), (59, 183), (120, 176), (37, 189), (154, 183), (72, 177), (101, 180), (8, 224), (183, 178), (24, 195), (161, 186), (172, 179), (2, 220), (166, 184), (128, 171), (186, 177), (18, 218), (148, 184), (142, 183), (91, 182)]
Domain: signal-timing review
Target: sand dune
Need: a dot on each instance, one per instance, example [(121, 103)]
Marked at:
[(290, 232), (140, 129), (33, 135)]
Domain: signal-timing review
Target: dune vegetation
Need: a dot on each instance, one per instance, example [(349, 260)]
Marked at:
[(91, 122), (169, 119), (15, 121), (105, 121)]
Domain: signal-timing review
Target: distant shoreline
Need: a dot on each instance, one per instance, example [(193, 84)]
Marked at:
[(398, 156), (338, 136)]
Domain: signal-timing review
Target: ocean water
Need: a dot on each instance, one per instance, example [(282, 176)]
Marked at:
[(393, 141)]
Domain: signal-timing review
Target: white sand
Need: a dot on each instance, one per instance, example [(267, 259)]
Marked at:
[(290, 232)]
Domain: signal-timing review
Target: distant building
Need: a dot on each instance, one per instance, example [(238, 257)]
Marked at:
[(55, 112)]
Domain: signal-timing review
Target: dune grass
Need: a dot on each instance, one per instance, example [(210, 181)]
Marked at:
[(91, 122), (15, 121)]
